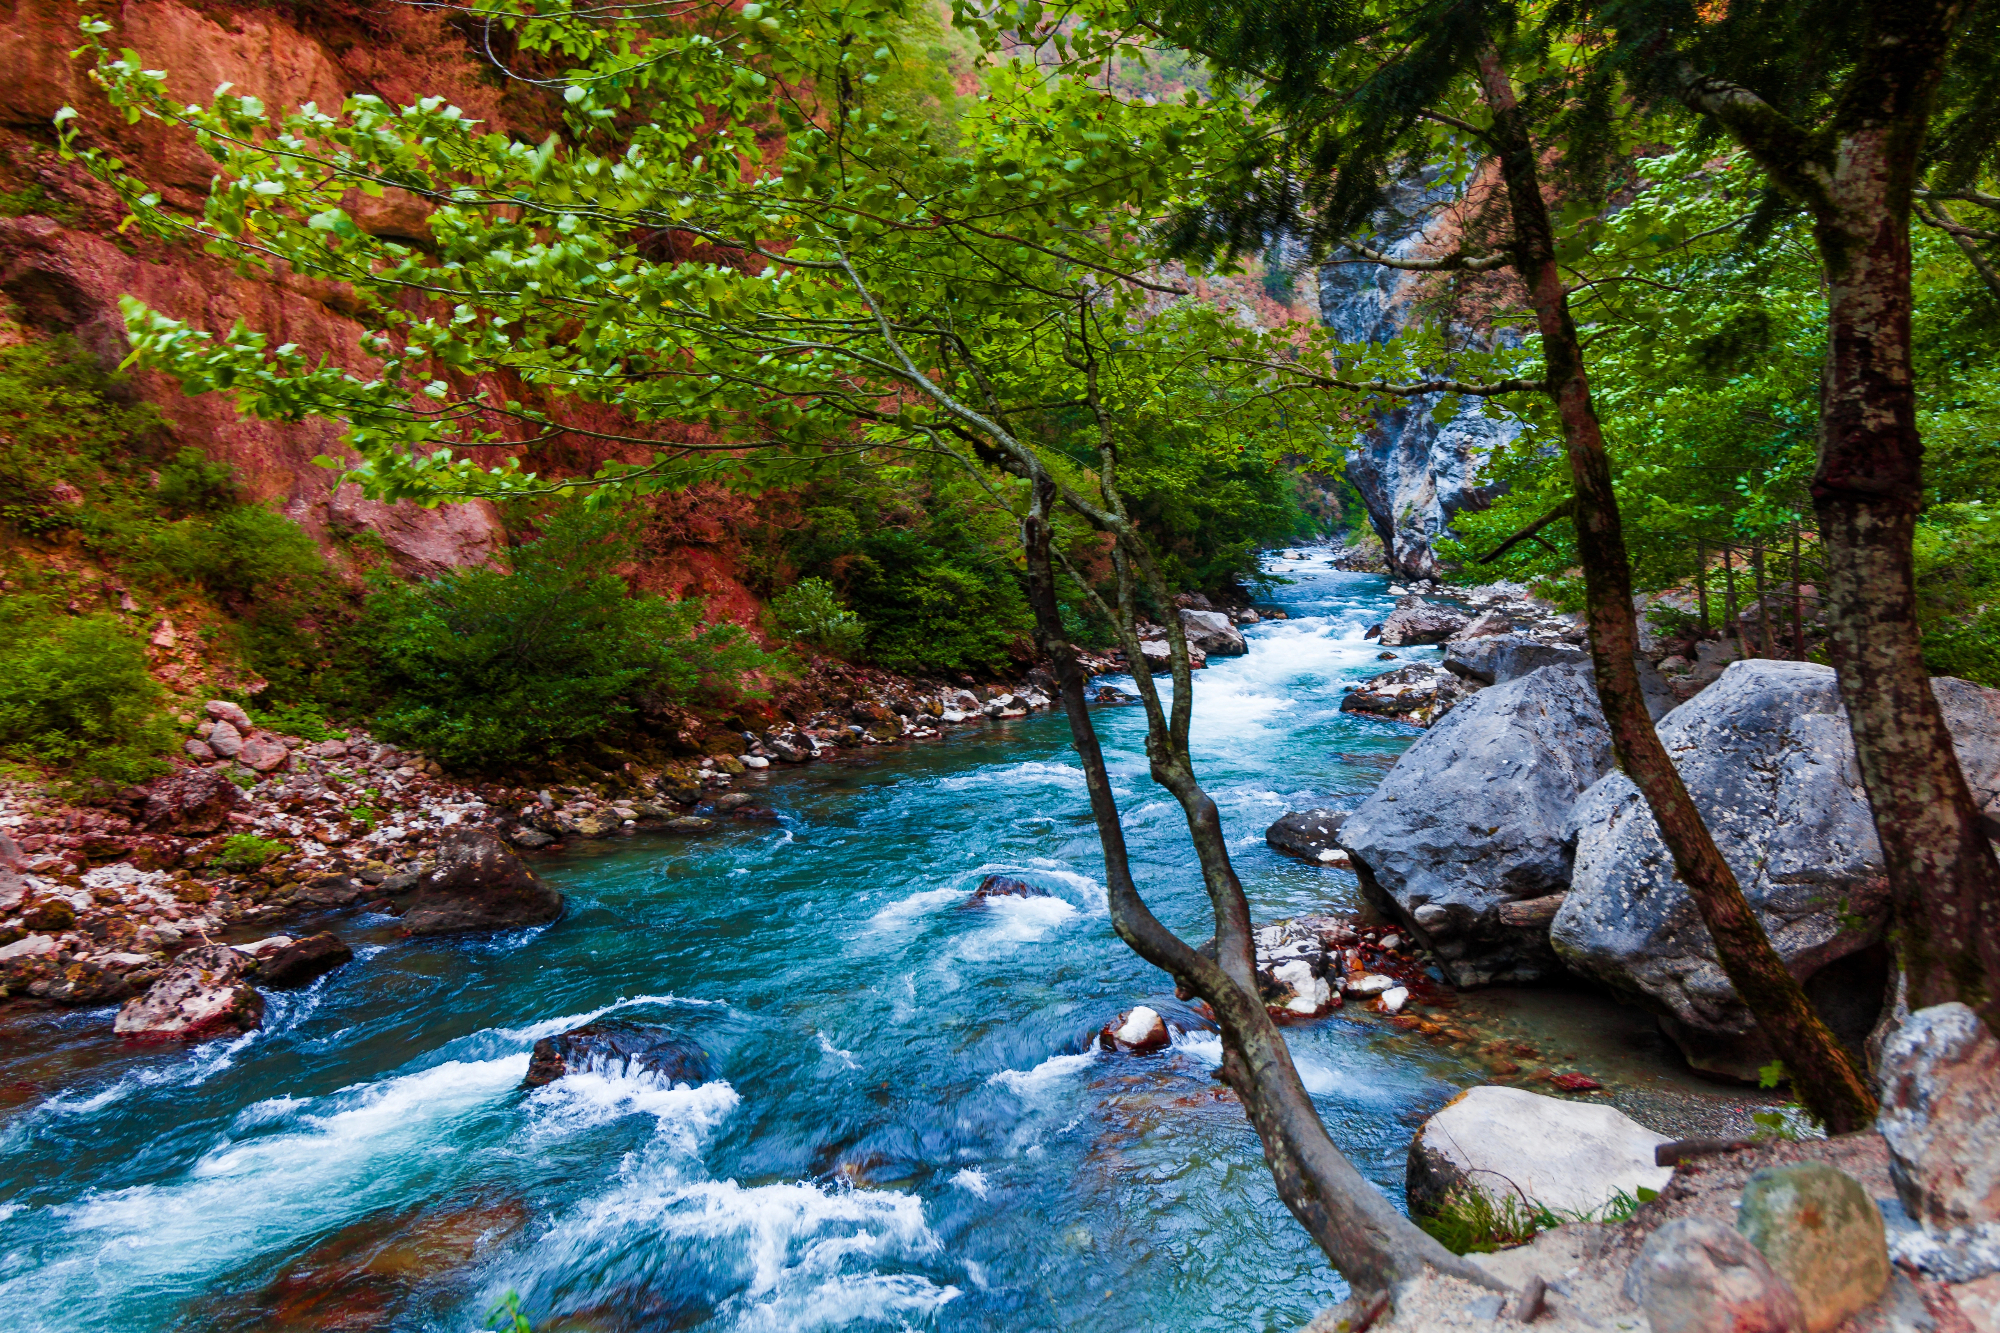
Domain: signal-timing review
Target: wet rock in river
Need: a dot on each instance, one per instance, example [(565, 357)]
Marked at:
[(1003, 886), (284, 963), (1214, 633), (617, 1048), (476, 883), (205, 991), (1472, 817), (1495, 659), (1139, 1032), (1418, 695), (1307, 834)]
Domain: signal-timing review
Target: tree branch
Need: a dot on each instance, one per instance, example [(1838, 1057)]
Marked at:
[(1567, 509)]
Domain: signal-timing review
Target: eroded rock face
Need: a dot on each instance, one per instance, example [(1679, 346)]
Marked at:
[(203, 993), (1571, 1157), (1940, 1091), (1473, 817), (1700, 1275), (1417, 621), (477, 883), (1768, 758), (189, 802), (618, 1049)]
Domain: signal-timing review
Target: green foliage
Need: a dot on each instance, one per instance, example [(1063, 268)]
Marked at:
[(244, 852), (506, 1317), (490, 667), (303, 720), (810, 612), (75, 694), (1473, 1222)]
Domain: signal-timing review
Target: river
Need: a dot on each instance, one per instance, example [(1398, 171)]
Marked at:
[(911, 1127)]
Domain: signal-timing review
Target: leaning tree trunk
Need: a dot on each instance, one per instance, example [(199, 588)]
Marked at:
[(1867, 493), (1375, 1247), (1822, 1075)]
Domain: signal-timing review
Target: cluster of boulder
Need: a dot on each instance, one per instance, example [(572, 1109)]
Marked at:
[(1898, 1228), (1210, 631), (1504, 841)]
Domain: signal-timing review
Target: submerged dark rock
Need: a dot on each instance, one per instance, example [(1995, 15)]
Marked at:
[(618, 1048), (298, 962), (476, 883), (1002, 886)]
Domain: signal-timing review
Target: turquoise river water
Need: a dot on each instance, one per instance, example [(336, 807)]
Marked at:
[(911, 1127)]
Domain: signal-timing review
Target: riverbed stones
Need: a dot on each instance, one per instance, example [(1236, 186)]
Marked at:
[(1701, 1275), (1768, 758), (1818, 1229), (1495, 659), (1473, 817), (618, 1049), (476, 883), (1939, 1079), (204, 992), (1570, 1157), (286, 964), (1417, 621)]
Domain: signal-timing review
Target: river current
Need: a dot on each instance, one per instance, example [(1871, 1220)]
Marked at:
[(911, 1128)]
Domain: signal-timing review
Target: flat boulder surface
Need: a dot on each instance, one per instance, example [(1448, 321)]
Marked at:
[(204, 992), (477, 883), (1571, 1157), (1418, 694), (1768, 758), (1214, 633), (618, 1049), (1472, 818)]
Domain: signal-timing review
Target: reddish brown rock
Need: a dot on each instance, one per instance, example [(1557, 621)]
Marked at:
[(190, 801), (204, 992), (477, 883), (264, 753)]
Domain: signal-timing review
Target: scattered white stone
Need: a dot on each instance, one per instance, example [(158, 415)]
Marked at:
[(1372, 984), (755, 761), (1394, 999), (1310, 994)]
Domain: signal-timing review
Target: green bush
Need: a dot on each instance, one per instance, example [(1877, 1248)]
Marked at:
[(810, 612), (247, 851), (75, 694), (488, 668), (1958, 591)]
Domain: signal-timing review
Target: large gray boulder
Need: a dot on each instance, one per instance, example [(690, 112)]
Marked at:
[(1767, 756), (1213, 632), (1469, 827), (1417, 621), (1495, 659)]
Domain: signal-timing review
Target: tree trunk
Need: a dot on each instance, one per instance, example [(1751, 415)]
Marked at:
[(1375, 1247), (1732, 620), (1867, 493), (1766, 641), (1701, 581), (1822, 1074), (1798, 602)]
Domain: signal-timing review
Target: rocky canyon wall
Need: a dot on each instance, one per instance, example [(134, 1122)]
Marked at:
[(1413, 472)]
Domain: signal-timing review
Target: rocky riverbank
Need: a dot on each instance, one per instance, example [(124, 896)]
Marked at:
[(254, 828)]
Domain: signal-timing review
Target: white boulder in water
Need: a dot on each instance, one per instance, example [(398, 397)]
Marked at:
[(1309, 994), (1140, 1031), (203, 993)]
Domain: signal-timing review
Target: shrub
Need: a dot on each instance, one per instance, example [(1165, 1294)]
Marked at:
[(297, 719), (246, 851), (809, 611), (75, 694), (490, 668)]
